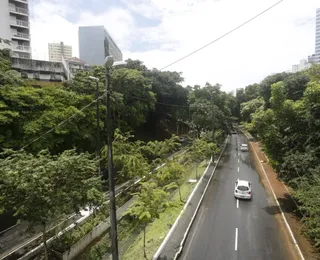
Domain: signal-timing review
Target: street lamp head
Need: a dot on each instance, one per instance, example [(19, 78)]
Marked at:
[(93, 78), (120, 64), (108, 62)]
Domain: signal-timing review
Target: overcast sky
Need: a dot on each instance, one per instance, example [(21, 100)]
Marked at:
[(159, 32)]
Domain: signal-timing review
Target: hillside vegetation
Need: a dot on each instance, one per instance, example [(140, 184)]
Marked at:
[(283, 111)]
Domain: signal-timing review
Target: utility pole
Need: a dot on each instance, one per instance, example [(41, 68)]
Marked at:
[(112, 200), (108, 63), (98, 146), (212, 116)]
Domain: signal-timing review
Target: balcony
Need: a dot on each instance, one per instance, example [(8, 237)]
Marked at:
[(18, 10), (20, 23), (21, 36), (22, 48), (21, 1)]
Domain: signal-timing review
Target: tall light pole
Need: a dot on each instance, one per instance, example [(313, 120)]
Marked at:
[(98, 146), (108, 63)]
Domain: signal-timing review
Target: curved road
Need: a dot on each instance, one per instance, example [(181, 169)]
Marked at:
[(229, 229)]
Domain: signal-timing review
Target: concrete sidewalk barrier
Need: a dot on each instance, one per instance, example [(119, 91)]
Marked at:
[(177, 221)]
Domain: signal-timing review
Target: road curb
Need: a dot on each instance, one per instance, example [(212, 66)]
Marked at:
[(168, 236), (276, 199), (199, 204)]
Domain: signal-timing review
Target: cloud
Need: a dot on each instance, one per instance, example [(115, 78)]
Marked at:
[(271, 43), (49, 23)]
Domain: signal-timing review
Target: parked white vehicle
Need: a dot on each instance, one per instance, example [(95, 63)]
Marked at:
[(244, 148), (243, 189)]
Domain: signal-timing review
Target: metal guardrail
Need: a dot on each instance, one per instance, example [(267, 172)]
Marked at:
[(28, 244)]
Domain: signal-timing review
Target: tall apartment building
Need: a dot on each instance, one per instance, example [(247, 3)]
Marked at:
[(317, 52), (56, 50), (95, 43), (15, 26)]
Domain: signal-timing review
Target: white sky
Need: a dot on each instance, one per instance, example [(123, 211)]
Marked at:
[(271, 43)]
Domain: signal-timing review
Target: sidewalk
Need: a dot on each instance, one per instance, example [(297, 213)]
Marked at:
[(172, 245)]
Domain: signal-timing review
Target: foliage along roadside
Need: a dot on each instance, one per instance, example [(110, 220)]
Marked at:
[(98, 250), (129, 167), (42, 189), (153, 197), (283, 111)]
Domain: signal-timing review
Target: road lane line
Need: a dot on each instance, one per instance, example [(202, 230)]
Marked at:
[(238, 169), (278, 204), (237, 203), (236, 241)]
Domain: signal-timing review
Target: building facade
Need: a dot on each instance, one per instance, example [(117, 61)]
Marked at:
[(73, 66), (303, 65), (317, 49), (57, 50), (15, 26), (39, 69), (95, 43)]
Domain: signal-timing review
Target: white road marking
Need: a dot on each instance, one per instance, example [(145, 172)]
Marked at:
[(237, 203), (238, 169), (236, 240), (278, 204)]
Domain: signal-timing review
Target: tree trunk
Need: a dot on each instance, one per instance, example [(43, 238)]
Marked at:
[(144, 242), (196, 171), (44, 240), (180, 194)]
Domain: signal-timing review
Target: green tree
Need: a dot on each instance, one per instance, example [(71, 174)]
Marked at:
[(252, 91), (159, 150), (43, 188), (151, 201), (129, 160), (200, 151), (172, 175), (265, 86), (250, 107)]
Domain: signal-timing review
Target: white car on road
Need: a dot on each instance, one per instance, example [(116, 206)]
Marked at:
[(244, 148), (243, 189)]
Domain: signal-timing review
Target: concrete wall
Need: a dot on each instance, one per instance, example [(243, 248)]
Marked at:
[(84, 242)]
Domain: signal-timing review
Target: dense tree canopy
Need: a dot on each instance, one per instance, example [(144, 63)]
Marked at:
[(150, 103), (51, 131), (286, 118)]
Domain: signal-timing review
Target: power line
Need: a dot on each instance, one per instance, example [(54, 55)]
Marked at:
[(63, 122), (222, 36), (166, 104), (172, 63)]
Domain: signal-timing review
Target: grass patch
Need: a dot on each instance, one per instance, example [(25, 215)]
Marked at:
[(157, 230), (130, 236)]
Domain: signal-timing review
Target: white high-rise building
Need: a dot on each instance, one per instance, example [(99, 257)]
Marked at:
[(15, 26), (56, 50), (317, 52), (95, 43)]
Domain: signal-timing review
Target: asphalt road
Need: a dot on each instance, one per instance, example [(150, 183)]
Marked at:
[(226, 228)]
